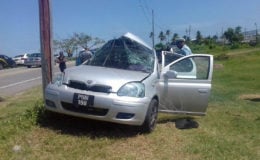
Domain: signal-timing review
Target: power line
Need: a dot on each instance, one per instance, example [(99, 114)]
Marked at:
[(146, 11), (145, 15), (146, 5)]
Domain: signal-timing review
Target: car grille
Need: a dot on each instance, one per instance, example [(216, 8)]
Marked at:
[(84, 109), (95, 88)]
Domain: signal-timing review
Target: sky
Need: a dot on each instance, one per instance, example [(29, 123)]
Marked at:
[(108, 19)]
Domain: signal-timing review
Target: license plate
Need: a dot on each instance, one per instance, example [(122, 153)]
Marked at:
[(83, 100)]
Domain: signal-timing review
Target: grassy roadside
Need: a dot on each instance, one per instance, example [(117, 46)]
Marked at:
[(229, 131)]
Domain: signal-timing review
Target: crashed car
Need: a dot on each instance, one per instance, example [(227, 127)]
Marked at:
[(124, 83)]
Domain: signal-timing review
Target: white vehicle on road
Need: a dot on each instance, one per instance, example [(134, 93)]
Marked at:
[(20, 59)]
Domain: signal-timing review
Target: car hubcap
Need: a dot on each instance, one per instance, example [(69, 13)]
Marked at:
[(153, 115)]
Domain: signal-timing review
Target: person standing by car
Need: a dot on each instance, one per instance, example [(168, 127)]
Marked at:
[(62, 62), (84, 55), (183, 48)]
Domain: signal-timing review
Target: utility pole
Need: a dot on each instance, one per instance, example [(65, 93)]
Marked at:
[(186, 30), (223, 37), (46, 42), (189, 32), (153, 27), (256, 39)]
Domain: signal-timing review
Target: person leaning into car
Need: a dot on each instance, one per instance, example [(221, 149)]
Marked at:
[(183, 48), (62, 62)]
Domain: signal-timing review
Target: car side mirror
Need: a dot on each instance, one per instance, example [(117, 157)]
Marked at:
[(170, 74)]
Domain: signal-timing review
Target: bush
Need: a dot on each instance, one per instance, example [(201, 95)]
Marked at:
[(212, 46), (35, 114), (235, 46), (252, 43)]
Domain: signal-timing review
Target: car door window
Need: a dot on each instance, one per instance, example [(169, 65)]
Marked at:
[(192, 68), (168, 57)]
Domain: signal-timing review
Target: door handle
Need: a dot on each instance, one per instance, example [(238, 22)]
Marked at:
[(203, 90)]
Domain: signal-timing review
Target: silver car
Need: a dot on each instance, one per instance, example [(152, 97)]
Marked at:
[(34, 59), (124, 83)]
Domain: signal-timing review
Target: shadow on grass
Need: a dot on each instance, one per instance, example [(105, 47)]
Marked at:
[(84, 127), (76, 126), (181, 122)]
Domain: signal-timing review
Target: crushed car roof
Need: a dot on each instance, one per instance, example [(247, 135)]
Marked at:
[(137, 39)]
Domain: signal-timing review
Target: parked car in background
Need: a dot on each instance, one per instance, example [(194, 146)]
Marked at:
[(34, 60), (20, 59), (6, 62), (124, 83)]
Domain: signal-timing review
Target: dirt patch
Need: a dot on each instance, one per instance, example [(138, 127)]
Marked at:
[(218, 66), (250, 97), (1, 99)]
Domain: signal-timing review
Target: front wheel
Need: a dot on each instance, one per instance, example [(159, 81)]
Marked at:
[(14, 65), (151, 117), (1, 66)]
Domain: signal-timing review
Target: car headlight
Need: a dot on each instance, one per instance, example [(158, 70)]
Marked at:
[(58, 79), (132, 89)]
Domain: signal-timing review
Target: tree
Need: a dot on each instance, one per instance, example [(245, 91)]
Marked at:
[(208, 40), (161, 37), (215, 38), (160, 47), (239, 36), (151, 35), (174, 37), (199, 37), (234, 35), (168, 33), (70, 45), (95, 42), (85, 41), (82, 39), (57, 45), (186, 38)]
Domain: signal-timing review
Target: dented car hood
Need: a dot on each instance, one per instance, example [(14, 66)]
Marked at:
[(95, 75)]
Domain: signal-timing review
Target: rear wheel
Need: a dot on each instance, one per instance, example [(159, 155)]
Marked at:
[(29, 66), (151, 117)]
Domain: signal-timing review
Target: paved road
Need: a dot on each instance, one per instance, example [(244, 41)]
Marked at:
[(17, 80)]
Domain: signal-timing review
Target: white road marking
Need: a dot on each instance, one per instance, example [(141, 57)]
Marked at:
[(14, 84)]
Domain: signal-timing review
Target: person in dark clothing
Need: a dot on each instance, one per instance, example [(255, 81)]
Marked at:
[(62, 62)]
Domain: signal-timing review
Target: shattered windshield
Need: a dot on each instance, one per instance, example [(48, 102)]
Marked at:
[(124, 53)]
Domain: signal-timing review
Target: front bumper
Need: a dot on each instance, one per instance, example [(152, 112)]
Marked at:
[(106, 107), (35, 63)]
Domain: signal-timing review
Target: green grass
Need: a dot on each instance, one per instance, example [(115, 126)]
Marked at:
[(230, 130)]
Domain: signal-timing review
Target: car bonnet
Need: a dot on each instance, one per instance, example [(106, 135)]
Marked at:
[(94, 75)]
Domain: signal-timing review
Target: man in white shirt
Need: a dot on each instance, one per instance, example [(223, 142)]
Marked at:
[(184, 49)]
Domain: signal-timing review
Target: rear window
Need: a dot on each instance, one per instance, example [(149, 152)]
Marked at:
[(35, 55)]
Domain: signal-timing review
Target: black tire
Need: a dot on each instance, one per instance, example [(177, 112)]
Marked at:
[(151, 117), (14, 65), (1, 66), (29, 66)]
